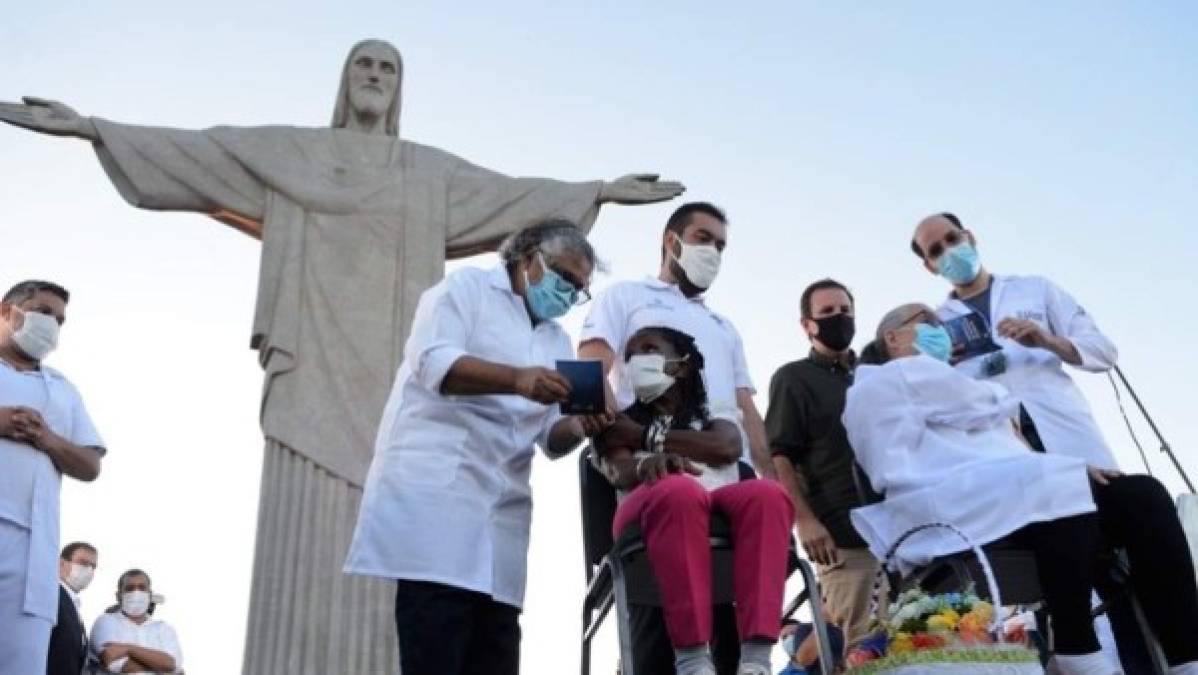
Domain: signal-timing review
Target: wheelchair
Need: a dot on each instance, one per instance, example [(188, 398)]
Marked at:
[(618, 573)]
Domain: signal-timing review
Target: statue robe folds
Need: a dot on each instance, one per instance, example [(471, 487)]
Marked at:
[(355, 227)]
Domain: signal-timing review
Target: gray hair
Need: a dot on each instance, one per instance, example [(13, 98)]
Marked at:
[(555, 237), (894, 320), (341, 109)]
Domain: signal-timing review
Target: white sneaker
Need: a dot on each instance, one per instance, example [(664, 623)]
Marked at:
[(752, 669), (1085, 664)]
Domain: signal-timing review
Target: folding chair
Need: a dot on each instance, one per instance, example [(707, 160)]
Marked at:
[(618, 572)]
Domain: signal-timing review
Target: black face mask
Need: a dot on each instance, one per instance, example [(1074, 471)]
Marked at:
[(836, 331)]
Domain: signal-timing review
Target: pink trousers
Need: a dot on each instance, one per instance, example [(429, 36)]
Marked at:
[(674, 515)]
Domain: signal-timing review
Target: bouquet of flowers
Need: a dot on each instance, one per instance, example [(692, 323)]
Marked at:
[(944, 633), (951, 628)]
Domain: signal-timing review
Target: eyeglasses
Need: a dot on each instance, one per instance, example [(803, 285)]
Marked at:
[(567, 283), (951, 239), (928, 318)]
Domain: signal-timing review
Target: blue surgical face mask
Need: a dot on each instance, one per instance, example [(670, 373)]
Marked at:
[(552, 296), (933, 341), (960, 264), (788, 645)]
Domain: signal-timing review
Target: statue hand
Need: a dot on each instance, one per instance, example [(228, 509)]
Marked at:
[(47, 117), (639, 188)]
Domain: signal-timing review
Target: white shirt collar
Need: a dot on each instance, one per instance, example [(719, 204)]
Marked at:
[(70, 592), (657, 284), (499, 278)]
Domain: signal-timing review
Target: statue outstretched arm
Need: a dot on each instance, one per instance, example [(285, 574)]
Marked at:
[(484, 206), (48, 117), (157, 167), (639, 188)]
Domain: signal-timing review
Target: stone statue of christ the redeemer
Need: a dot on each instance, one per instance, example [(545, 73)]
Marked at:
[(355, 224)]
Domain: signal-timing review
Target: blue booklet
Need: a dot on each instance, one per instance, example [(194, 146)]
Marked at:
[(586, 387), (970, 335)]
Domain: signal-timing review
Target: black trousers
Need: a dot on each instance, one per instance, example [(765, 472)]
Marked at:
[(1065, 551), (1135, 513), (653, 654), (445, 630)]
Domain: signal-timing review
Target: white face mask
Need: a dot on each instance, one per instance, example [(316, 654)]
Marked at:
[(135, 603), (649, 377), (80, 577), (38, 335), (700, 263)]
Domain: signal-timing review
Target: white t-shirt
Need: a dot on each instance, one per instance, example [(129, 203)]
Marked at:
[(153, 634), (29, 481), (628, 306)]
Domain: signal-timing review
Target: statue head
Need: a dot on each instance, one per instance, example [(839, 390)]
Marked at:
[(371, 84)]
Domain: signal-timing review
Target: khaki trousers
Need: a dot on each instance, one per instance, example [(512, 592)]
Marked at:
[(846, 588)]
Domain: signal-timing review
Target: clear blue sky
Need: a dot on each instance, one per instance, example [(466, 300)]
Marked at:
[(1065, 134)]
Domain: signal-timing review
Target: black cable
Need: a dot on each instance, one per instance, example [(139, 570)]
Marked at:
[(1131, 432), (1160, 437)]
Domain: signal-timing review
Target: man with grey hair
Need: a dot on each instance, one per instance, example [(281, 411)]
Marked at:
[(45, 433), (355, 224), (447, 508), (939, 444)]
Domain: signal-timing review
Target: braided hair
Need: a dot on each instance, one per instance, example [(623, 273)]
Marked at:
[(692, 389)]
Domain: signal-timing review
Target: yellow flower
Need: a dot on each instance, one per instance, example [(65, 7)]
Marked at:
[(900, 644), (946, 620), (984, 610)]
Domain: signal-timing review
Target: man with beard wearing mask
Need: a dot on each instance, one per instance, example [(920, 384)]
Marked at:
[(68, 640), (692, 247), (45, 432), (814, 460)]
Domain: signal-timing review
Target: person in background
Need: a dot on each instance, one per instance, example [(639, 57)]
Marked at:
[(674, 462), (692, 248), (943, 448), (128, 639), (798, 641), (447, 506), (813, 458), (45, 433), (68, 640)]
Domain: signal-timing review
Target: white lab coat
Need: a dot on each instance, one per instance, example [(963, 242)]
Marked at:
[(941, 448), (29, 481), (447, 498), (1036, 376)]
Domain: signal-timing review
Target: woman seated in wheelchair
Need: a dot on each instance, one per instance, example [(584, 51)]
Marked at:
[(674, 462), (943, 448)]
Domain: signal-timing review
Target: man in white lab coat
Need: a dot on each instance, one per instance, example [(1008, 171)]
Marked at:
[(447, 509), (940, 446), (45, 432), (1038, 327)]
